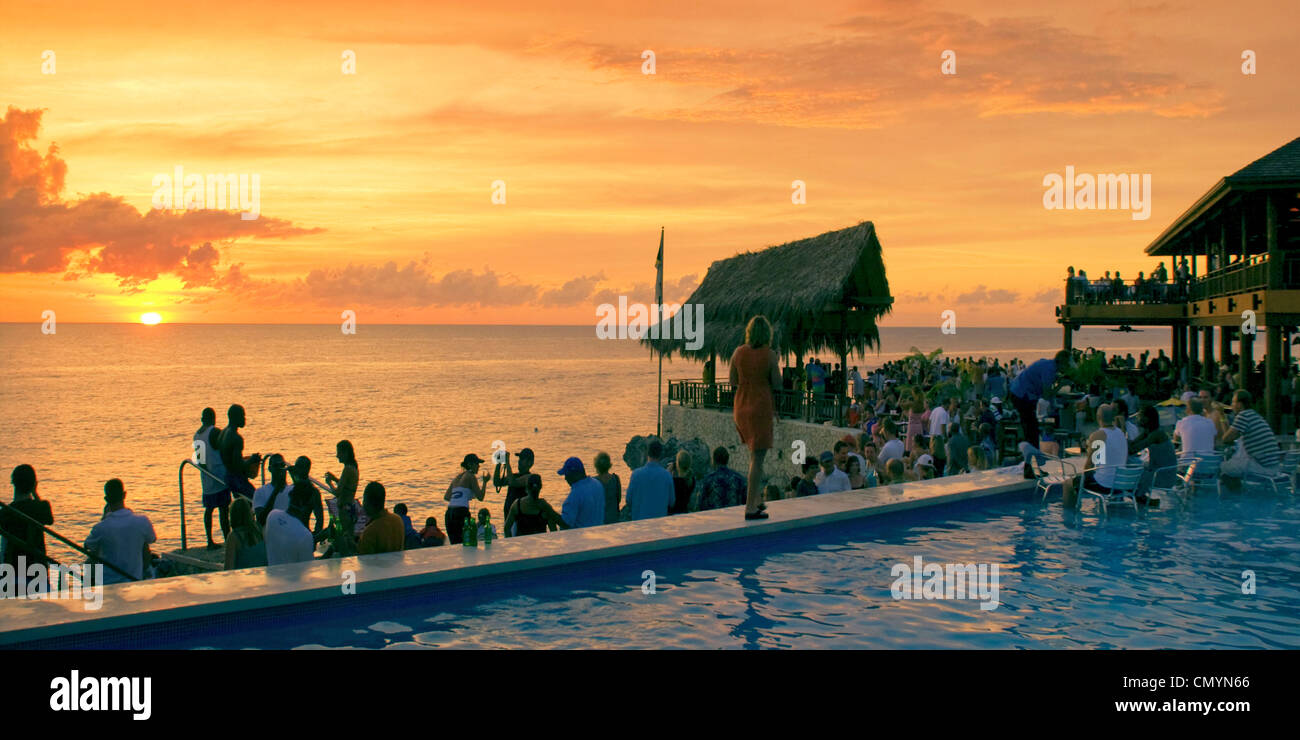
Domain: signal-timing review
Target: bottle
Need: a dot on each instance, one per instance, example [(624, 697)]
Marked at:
[(487, 532), (469, 533)]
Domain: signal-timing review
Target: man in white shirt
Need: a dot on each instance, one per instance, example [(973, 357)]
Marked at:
[(859, 387), (287, 538), (893, 447), (280, 480), (832, 478), (122, 537), (939, 420), (1196, 432)]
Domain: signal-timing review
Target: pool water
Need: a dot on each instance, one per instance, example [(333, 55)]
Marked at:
[(1171, 580)]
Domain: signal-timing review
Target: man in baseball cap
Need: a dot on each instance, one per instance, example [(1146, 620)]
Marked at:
[(833, 479), (585, 506)]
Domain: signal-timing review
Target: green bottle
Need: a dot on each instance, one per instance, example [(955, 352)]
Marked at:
[(487, 532), (469, 534)]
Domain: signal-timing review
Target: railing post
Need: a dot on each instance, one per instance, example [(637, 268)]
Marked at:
[(180, 486)]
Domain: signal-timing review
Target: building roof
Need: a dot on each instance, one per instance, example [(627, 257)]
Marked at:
[(1279, 169)]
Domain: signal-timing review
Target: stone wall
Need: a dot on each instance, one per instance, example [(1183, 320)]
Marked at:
[(716, 428)]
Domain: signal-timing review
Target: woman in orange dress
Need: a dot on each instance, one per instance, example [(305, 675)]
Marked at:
[(755, 376)]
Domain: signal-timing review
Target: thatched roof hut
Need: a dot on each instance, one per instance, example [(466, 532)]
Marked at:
[(821, 293)]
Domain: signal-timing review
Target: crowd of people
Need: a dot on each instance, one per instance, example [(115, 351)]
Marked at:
[(1155, 288), (909, 422)]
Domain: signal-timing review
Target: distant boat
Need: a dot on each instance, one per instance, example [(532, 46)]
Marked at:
[(1126, 328)]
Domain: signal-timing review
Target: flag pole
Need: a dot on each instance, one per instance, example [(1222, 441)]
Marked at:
[(659, 310)]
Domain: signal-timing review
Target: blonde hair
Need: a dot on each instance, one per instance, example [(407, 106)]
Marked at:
[(683, 462), (758, 332)]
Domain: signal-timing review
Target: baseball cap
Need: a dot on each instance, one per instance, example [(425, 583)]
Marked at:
[(572, 465), (926, 459), (828, 456), (525, 452), (276, 462), (995, 399), (471, 459)]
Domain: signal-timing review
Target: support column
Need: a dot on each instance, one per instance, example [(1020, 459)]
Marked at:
[(1272, 382), (1193, 348), (1207, 352), (1067, 337), (1246, 362), (1225, 343)]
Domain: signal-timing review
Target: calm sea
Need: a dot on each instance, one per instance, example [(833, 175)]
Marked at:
[(100, 401)]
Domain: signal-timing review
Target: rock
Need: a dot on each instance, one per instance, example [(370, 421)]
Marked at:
[(701, 455), (634, 454)]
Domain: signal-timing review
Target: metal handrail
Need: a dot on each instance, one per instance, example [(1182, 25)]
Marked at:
[(180, 486), (93, 558)]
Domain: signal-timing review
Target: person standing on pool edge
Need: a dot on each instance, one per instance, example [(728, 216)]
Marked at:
[(232, 456), (1029, 386), (464, 487), (756, 375), (515, 481)]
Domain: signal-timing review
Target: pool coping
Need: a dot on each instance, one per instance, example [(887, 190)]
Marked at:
[(130, 605)]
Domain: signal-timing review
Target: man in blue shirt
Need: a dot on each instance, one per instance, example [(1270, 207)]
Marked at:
[(650, 490), (1029, 386), (585, 506)]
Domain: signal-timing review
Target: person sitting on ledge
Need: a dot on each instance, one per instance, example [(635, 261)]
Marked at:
[(431, 536), (412, 536), (384, 532), (1259, 453)]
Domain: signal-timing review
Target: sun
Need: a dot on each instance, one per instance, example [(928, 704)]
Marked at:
[(150, 318)]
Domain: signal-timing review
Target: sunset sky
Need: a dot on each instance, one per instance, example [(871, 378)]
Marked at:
[(376, 187)]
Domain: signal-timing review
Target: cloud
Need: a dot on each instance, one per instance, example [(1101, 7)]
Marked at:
[(981, 294), (102, 233)]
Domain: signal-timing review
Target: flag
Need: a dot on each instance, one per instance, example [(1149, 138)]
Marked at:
[(659, 266)]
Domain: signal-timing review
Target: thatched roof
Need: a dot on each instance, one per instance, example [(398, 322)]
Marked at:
[(812, 290)]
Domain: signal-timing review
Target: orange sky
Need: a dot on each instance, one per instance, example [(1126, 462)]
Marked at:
[(376, 187)]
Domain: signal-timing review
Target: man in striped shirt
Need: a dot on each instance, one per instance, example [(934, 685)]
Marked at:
[(1259, 453)]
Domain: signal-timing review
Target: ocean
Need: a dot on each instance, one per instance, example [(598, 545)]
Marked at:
[(100, 401)]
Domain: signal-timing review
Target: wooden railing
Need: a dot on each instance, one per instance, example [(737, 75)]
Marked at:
[(1239, 277), (790, 404)]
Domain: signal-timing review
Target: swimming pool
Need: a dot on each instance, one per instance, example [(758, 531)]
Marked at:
[(1171, 580)]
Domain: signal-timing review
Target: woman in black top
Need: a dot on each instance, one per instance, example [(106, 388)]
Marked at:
[(683, 483), (532, 514)]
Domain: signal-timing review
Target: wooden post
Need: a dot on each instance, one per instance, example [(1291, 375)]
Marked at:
[(1272, 384), (1270, 238), (1210, 369), (844, 367), (1225, 343), (1067, 337), (1246, 362)]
